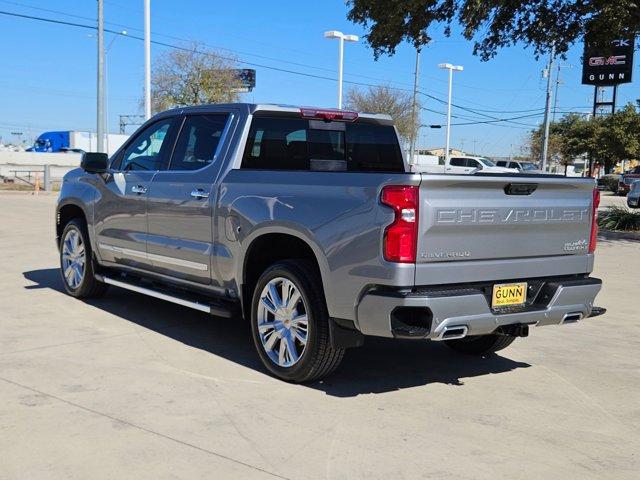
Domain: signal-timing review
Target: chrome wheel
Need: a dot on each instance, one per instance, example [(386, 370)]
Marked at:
[(283, 326), (73, 258)]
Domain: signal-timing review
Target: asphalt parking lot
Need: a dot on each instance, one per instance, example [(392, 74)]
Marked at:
[(133, 387)]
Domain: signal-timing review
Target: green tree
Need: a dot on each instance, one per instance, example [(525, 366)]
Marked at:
[(383, 99), (192, 76), (619, 139), (605, 140), (494, 24)]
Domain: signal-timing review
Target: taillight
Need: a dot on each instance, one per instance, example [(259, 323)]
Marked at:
[(594, 221), (401, 237)]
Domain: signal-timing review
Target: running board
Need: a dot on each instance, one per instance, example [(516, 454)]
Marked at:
[(213, 309)]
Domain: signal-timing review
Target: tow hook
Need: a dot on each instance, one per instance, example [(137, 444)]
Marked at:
[(515, 330)]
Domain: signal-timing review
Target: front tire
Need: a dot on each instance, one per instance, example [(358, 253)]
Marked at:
[(480, 344), (290, 323), (76, 262)]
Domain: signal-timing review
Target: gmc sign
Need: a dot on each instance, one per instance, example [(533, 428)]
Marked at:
[(612, 67)]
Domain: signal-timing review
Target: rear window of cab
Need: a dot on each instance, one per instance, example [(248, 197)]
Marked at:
[(290, 143)]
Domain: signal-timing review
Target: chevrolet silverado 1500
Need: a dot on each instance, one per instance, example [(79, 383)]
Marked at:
[(308, 223)]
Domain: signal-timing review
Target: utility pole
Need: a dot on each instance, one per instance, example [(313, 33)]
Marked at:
[(545, 141), (147, 59), (558, 82), (415, 129), (555, 97), (100, 113)]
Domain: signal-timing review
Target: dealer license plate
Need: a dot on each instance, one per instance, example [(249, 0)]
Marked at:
[(509, 294)]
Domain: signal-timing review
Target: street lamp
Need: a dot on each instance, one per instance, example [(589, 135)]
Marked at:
[(342, 38), (451, 68)]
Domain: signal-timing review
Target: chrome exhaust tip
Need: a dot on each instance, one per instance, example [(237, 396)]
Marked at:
[(452, 332), (572, 317)]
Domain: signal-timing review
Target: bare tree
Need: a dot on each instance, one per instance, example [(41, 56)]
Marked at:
[(192, 76), (384, 99)]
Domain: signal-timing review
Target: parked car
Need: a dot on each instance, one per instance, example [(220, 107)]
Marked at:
[(461, 165), (626, 179), (633, 197), (523, 167), (307, 223), (474, 164)]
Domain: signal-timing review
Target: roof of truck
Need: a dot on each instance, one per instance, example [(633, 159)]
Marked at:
[(268, 107)]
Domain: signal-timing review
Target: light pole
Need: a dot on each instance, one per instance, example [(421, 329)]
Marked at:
[(451, 68), (341, 39), (106, 86), (100, 103), (415, 128), (147, 59)]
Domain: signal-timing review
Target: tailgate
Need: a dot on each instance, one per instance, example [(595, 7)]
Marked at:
[(484, 217)]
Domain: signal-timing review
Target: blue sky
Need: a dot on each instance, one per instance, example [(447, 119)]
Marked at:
[(48, 72)]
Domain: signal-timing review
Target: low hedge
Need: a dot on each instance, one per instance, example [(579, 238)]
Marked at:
[(619, 218)]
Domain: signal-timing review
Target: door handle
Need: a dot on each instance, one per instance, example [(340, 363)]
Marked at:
[(199, 193), (139, 189)]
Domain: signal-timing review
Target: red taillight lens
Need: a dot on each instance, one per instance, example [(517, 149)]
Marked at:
[(401, 237), (594, 221)]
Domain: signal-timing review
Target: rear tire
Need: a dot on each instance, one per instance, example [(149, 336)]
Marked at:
[(288, 307), (77, 267), (481, 344)]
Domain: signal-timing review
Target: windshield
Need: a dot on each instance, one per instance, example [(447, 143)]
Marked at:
[(486, 162), (528, 166)]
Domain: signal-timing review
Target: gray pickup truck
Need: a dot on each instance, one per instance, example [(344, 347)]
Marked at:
[(307, 223)]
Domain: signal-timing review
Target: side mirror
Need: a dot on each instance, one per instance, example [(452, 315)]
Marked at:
[(93, 162)]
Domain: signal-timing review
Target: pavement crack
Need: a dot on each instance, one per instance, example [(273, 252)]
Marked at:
[(88, 340), (144, 429)]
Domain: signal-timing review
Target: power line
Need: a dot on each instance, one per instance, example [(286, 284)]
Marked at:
[(268, 67), (239, 52), (501, 120)]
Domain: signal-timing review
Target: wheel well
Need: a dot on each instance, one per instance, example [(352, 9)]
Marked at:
[(65, 215), (266, 250)]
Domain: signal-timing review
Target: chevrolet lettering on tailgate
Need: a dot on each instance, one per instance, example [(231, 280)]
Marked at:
[(513, 215)]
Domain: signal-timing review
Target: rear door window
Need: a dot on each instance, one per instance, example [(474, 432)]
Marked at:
[(198, 141), (283, 143)]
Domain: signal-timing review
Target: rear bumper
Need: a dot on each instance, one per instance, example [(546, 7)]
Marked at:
[(556, 301)]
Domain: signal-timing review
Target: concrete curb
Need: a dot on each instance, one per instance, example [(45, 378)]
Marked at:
[(618, 235), (28, 193)]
